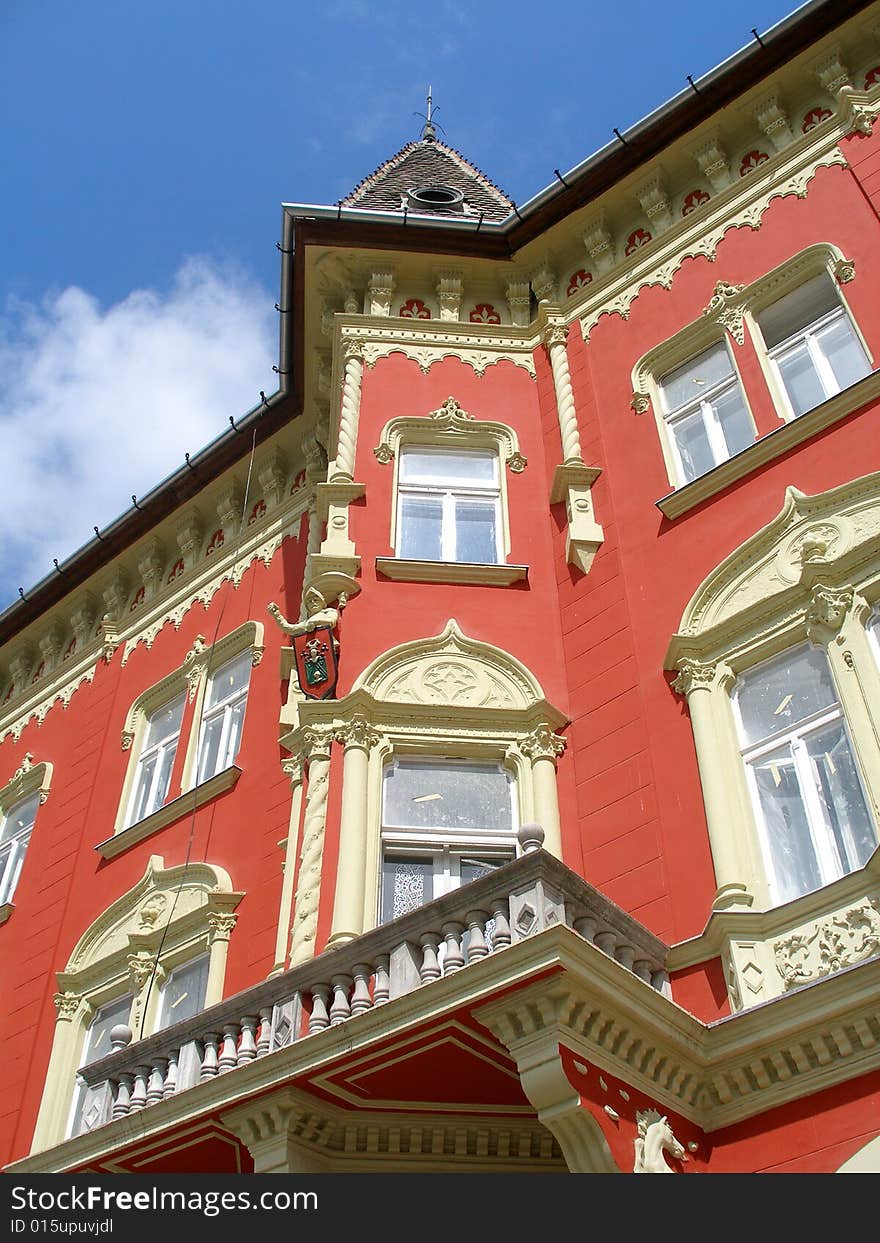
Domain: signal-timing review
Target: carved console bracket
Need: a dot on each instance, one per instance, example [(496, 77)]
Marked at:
[(572, 482)]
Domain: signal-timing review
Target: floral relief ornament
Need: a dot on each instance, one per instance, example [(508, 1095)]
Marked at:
[(831, 945)]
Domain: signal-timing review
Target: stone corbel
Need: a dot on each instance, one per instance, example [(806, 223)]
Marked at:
[(544, 283), (380, 289), (711, 159), (151, 563), (190, 533), (832, 72), (519, 302), (272, 474), (654, 200), (449, 294), (773, 121), (599, 244)]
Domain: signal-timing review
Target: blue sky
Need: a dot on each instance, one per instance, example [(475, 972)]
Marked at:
[(148, 146)]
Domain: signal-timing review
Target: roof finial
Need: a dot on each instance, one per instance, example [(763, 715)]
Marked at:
[(428, 132)]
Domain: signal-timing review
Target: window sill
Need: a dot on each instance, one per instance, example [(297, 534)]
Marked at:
[(180, 806), (6, 910), (402, 570), (771, 446)]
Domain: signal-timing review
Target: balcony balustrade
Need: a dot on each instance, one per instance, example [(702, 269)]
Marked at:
[(451, 934)]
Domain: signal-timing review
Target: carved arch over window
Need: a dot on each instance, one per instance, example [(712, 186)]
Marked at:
[(187, 912), (800, 590), (446, 697)]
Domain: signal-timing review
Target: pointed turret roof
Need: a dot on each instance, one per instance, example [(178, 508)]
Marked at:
[(417, 177)]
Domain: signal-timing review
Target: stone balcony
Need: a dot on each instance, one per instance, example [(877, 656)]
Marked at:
[(442, 938)]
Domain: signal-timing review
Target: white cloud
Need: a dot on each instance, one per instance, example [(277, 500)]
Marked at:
[(99, 403)]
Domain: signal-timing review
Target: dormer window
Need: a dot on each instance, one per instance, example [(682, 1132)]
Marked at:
[(435, 198)]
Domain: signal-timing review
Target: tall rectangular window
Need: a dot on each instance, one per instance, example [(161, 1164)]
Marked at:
[(183, 993), (811, 810), (705, 412), (156, 760), (15, 834), (85, 1112), (223, 716), (813, 347), (449, 506), (444, 824)]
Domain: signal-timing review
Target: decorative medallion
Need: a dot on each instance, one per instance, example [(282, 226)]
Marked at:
[(175, 571), (484, 313), (813, 118), (138, 599), (751, 160), (257, 512), (216, 541), (414, 308), (638, 237), (317, 668), (578, 280), (692, 201), (872, 77)]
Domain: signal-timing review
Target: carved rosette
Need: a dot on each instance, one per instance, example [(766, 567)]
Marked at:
[(517, 462), (542, 744), (383, 454), (640, 403), (844, 270)]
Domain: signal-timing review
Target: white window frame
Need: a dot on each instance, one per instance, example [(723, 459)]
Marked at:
[(13, 847), (223, 708), (808, 336), (30, 781), (704, 402), (828, 863), (449, 493), (159, 750)]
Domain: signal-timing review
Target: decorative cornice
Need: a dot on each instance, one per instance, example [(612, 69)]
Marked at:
[(449, 423)]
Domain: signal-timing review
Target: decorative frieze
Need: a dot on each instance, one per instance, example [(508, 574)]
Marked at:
[(828, 945)]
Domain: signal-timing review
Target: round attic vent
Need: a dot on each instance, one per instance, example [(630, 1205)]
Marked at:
[(436, 198)]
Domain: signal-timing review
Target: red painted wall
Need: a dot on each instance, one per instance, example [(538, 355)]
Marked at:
[(65, 884)]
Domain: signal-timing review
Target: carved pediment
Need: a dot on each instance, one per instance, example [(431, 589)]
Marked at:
[(451, 670), (835, 529)]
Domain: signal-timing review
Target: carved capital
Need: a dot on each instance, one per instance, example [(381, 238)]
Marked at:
[(693, 675), (555, 334), (542, 744), (314, 744), (544, 283), (140, 968), (221, 924), (67, 1005), (357, 733)]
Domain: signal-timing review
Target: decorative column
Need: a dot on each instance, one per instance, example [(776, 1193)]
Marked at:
[(315, 751), (334, 497), (572, 480), (70, 1026), (294, 769), (348, 907), (220, 925), (701, 683), (543, 747), (836, 620)]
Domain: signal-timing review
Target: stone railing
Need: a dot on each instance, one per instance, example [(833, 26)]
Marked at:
[(515, 901)]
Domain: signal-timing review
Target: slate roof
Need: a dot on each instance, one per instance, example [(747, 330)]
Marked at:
[(429, 163)]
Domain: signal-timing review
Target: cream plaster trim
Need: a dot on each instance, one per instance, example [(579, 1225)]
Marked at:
[(716, 1075), (771, 446), (807, 576), (192, 677), (448, 696), (403, 570), (29, 778), (742, 203), (188, 910), (187, 802), (5, 911)]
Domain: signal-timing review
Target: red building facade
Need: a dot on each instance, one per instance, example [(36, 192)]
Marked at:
[(583, 499)]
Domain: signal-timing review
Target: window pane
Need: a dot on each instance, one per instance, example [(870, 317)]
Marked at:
[(164, 781), (420, 525), (475, 538), (11, 861), (407, 884), (787, 830), (801, 381), (472, 869), (844, 352), (691, 382), (798, 309), (421, 795), (730, 411), (229, 679), (443, 467), (165, 722), (184, 992), (209, 751), (140, 798), (840, 793), (85, 1112), (780, 693), (20, 818), (693, 446)]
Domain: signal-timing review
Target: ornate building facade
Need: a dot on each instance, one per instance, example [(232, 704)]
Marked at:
[(471, 760)]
